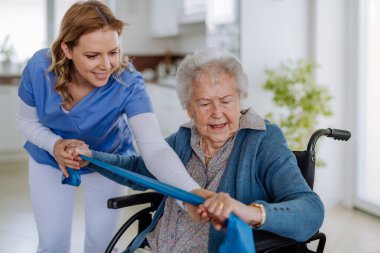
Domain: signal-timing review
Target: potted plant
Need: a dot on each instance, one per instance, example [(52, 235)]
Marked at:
[(6, 50), (301, 100)]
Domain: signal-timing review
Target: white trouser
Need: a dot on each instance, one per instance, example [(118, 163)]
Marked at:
[(53, 205)]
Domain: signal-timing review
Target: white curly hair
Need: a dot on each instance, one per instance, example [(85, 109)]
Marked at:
[(211, 61)]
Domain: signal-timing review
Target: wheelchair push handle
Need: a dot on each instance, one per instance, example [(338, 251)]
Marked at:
[(336, 134)]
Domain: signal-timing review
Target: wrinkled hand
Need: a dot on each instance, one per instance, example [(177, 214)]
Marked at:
[(82, 150), (193, 211), (65, 158), (219, 207)]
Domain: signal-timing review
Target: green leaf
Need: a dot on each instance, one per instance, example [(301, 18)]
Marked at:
[(295, 90)]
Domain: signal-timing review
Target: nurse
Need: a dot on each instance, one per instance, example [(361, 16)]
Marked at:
[(82, 90)]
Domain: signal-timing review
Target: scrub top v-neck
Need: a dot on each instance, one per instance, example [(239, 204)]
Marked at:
[(99, 119)]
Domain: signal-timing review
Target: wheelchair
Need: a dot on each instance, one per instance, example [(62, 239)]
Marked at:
[(265, 242)]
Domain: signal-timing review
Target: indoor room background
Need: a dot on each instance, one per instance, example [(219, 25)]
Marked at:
[(342, 36)]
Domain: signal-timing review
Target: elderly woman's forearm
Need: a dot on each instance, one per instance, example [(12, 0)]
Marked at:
[(127, 162), (297, 219)]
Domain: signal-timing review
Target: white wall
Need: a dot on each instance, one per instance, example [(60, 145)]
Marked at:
[(11, 141), (330, 49), (274, 31), (138, 39), (192, 37)]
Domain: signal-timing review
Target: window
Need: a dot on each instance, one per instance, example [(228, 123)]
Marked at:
[(368, 186), (29, 25), (60, 8), (22, 23), (223, 25)]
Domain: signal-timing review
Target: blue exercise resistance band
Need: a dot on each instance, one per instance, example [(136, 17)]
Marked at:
[(238, 237)]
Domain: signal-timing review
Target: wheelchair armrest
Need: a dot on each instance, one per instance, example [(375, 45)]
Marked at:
[(154, 198), (266, 242)]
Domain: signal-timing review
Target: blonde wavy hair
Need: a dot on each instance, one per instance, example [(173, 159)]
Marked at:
[(81, 18)]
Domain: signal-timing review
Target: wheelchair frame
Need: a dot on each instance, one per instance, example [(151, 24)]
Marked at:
[(268, 243)]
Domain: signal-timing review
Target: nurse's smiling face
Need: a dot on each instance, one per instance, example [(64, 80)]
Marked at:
[(95, 57)]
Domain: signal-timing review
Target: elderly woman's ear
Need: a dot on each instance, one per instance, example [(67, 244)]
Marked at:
[(189, 112)]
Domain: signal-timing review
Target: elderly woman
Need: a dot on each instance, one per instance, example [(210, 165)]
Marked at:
[(227, 149)]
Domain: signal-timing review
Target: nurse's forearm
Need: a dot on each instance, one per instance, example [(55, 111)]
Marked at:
[(29, 125), (159, 157)]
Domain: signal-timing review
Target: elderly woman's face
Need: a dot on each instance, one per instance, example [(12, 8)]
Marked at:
[(215, 107)]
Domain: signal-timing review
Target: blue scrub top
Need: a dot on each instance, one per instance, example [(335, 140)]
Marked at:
[(97, 119)]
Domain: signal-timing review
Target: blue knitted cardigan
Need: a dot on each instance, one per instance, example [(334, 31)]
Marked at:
[(261, 169)]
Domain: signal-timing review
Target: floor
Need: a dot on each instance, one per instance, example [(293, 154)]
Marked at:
[(347, 230)]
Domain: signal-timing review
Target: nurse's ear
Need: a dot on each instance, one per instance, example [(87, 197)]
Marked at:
[(66, 50)]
